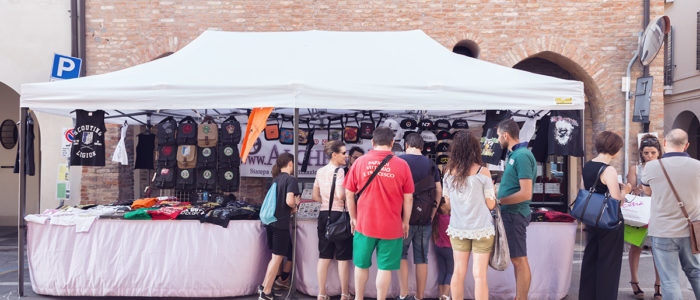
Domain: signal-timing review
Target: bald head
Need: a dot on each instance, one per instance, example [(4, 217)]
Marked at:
[(676, 140)]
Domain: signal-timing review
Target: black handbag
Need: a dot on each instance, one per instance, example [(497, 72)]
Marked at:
[(339, 229)]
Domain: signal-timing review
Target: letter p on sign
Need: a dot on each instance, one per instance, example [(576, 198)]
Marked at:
[(65, 67)]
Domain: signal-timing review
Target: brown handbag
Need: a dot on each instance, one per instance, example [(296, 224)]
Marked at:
[(694, 227)]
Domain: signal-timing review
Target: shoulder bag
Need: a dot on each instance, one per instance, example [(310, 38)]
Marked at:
[(694, 227), (500, 256), (596, 209), (338, 230)]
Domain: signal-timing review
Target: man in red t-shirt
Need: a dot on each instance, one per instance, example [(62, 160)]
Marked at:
[(376, 216)]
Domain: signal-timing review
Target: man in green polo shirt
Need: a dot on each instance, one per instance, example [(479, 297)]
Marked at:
[(515, 194)]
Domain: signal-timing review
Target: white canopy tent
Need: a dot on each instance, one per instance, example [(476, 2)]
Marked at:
[(337, 72), (311, 69)]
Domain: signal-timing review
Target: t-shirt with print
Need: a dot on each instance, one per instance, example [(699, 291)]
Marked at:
[(380, 205), (667, 219), (285, 184), (421, 167), (324, 180), (520, 164)]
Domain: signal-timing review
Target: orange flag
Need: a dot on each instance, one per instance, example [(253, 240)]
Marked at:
[(256, 124)]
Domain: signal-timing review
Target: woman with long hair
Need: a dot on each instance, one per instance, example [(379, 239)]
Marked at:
[(329, 250), (278, 237), (649, 149), (469, 191), (602, 258)]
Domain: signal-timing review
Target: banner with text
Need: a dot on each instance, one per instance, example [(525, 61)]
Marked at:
[(265, 153)]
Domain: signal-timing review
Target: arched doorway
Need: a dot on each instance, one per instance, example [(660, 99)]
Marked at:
[(9, 181), (556, 65), (689, 122)]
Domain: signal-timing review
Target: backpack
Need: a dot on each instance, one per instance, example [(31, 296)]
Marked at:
[(186, 156), (185, 179), (230, 131), (424, 199), (229, 179), (207, 133), (166, 131), (267, 211), (229, 156), (187, 131), (165, 178), (206, 157), (206, 179), (167, 156)]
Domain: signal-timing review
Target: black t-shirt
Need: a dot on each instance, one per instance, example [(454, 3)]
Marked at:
[(421, 167), (491, 151), (28, 149), (565, 133), (144, 151), (539, 144), (285, 184), (89, 142)]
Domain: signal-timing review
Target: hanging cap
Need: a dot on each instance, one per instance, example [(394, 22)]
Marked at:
[(429, 148), (407, 132), (444, 135), (442, 124), (391, 123), (442, 159), (409, 123), (428, 136), (426, 124), (443, 147), (460, 123)]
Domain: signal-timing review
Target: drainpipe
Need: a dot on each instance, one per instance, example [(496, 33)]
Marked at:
[(74, 28), (81, 37), (645, 69), (627, 114)]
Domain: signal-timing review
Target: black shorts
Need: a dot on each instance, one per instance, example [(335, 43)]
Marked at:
[(339, 250), (516, 232), (279, 241)]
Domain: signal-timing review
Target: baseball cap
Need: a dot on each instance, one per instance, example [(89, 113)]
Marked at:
[(443, 147), (429, 148), (426, 124), (442, 124), (460, 123), (391, 123), (409, 123), (444, 135), (442, 159), (428, 136)]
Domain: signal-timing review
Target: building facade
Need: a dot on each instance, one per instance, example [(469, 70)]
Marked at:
[(682, 71), (588, 40)]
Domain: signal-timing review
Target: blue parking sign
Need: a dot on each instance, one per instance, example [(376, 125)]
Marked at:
[(65, 67)]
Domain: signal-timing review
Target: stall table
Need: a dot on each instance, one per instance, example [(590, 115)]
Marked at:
[(550, 253), (178, 258)]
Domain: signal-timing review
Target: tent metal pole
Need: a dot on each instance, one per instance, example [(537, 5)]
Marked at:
[(21, 225)]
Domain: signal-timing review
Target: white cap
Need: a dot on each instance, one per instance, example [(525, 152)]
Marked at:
[(391, 123), (428, 136)]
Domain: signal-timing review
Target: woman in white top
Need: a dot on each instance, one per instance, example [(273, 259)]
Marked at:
[(328, 250), (468, 188)]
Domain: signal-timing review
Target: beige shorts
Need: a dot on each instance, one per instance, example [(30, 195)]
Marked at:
[(482, 245)]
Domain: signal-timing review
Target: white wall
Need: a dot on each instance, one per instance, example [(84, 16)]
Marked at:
[(32, 31)]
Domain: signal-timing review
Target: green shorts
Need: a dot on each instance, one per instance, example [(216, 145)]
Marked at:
[(388, 252)]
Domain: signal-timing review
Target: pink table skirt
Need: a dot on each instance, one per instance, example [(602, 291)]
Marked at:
[(550, 252), (147, 258)]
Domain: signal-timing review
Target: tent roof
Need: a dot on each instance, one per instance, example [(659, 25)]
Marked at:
[(405, 70)]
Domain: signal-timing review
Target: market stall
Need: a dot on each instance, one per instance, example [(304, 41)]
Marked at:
[(328, 74)]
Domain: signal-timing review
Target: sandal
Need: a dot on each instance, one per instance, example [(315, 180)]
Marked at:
[(346, 297), (322, 297), (657, 292), (638, 293)]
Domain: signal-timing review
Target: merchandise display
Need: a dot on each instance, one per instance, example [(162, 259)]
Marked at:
[(88, 147)]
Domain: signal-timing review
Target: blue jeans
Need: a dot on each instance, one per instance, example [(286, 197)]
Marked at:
[(669, 255)]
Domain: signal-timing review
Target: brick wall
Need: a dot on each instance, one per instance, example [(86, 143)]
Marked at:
[(591, 39)]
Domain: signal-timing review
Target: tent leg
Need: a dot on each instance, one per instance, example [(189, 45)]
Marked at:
[(291, 294), (21, 225)]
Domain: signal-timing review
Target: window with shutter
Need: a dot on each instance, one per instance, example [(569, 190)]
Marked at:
[(668, 58)]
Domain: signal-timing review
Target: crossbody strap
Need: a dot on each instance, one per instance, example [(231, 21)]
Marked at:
[(680, 203), (374, 174), (597, 178), (330, 202)]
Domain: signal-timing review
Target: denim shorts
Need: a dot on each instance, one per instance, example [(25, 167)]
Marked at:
[(419, 236), (516, 232)]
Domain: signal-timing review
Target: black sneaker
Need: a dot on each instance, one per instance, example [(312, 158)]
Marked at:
[(264, 296)]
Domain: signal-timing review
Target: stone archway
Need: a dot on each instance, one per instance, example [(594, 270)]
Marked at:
[(689, 122)]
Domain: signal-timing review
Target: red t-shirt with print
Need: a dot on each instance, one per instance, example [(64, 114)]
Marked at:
[(380, 205)]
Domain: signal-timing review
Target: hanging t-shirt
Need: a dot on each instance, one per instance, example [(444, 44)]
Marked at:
[(120, 154), (28, 149), (144, 151), (565, 133), (285, 184), (88, 147), (540, 145), (491, 151)]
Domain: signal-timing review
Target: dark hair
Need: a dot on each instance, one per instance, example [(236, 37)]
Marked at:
[(608, 142), (281, 162), (332, 147), (648, 140), (383, 136), (414, 140), (435, 232), (355, 149), (464, 152), (509, 126)]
